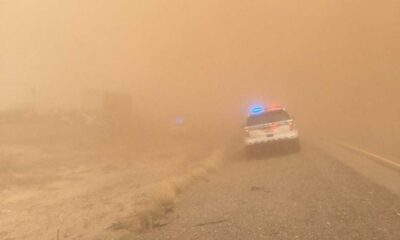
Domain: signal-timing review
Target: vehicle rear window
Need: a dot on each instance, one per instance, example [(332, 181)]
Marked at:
[(268, 117)]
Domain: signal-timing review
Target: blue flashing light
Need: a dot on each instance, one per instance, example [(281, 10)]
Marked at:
[(257, 110), (179, 121)]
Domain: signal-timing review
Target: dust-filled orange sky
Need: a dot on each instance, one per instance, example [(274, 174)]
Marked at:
[(184, 56)]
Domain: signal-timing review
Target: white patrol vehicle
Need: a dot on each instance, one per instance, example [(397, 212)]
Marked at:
[(270, 125)]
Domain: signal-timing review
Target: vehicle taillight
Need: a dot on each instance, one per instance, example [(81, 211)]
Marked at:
[(246, 132)]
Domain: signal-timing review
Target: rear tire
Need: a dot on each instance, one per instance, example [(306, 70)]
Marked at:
[(295, 146), (250, 152)]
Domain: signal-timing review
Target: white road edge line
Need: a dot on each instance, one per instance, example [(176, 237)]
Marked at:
[(373, 156)]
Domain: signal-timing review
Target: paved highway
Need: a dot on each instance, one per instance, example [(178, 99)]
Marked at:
[(324, 192)]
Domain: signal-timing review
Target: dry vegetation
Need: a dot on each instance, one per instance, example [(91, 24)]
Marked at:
[(94, 188), (162, 199)]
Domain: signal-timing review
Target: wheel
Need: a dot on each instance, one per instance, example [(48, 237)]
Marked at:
[(250, 152), (296, 146)]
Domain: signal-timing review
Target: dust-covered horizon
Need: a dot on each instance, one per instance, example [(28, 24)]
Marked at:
[(332, 63), (111, 110)]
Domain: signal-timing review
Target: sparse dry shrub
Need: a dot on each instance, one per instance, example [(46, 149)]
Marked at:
[(181, 183), (160, 202), (162, 199), (150, 216), (199, 173), (164, 195)]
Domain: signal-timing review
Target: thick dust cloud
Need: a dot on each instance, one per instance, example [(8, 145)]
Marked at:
[(334, 64)]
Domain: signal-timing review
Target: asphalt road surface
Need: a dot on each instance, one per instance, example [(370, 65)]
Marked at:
[(320, 193)]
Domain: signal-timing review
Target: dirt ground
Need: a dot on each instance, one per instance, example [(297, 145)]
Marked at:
[(55, 184)]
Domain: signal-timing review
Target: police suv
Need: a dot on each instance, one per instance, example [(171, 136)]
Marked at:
[(270, 126)]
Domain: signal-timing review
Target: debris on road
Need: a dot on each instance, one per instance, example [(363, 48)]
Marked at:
[(211, 223), (255, 188)]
